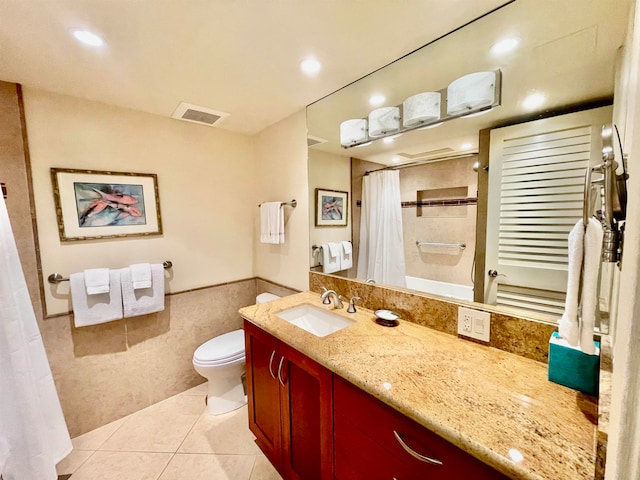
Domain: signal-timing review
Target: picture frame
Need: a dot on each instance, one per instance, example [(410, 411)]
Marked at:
[(92, 204), (331, 208)]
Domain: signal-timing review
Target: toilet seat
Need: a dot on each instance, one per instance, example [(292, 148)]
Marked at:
[(221, 350)]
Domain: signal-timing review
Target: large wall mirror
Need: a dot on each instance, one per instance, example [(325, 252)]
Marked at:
[(556, 60)]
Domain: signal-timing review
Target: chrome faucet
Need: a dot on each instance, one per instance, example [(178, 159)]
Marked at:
[(337, 299)]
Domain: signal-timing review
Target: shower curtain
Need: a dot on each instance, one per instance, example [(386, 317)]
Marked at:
[(33, 433), (381, 254)]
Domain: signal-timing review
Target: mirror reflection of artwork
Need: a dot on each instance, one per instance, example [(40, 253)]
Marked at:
[(100, 205), (331, 208)]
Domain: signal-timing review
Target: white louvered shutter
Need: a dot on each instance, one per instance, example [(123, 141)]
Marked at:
[(536, 183)]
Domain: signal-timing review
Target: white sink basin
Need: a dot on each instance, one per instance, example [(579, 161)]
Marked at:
[(315, 320)]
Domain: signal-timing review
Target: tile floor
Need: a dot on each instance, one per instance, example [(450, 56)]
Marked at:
[(172, 440)]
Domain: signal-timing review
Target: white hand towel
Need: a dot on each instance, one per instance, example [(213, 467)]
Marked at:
[(95, 309), (330, 263), (140, 275), (346, 257), (568, 326), (271, 222), (143, 300), (96, 280), (334, 249), (592, 252)]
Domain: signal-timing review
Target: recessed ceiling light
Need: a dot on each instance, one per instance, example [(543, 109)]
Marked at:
[(505, 45), (88, 38), (533, 101), (310, 66), (375, 100), (466, 146)]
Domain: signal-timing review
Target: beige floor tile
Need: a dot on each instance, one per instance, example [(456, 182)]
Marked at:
[(123, 466), (221, 434), (95, 438), (263, 470), (199, 390), (208, 467), (71, 462), (158, 428)]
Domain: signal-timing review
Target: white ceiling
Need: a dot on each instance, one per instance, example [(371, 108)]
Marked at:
[(238, 56)]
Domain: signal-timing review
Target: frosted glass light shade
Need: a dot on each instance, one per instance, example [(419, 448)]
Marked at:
[(420, 108), (384, 120), (353, 131), (471, 92)]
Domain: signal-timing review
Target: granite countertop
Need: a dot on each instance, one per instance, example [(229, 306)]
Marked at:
[(497, 406)]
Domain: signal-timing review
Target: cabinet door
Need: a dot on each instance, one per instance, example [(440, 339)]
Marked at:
[(263, 391), (307, 406)]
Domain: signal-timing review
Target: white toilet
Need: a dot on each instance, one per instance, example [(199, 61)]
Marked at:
[(221, 361)]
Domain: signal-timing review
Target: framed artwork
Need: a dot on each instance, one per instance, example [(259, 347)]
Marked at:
[(94, 205), (331, 208)]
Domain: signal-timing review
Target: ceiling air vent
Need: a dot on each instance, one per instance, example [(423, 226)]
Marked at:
[(313, 141), (427, 154), (198, 114)]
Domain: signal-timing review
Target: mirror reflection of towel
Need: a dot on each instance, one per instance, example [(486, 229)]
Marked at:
[(346, 256), (330, 261)]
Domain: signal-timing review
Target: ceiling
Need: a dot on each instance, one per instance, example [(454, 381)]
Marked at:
[(237, 56)]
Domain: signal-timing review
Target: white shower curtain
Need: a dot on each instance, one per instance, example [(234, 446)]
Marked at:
[(33, 433), (381, 253)]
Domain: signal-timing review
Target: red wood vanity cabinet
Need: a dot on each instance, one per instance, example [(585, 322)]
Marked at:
[(313, 425), (374, 441), (290, 407)]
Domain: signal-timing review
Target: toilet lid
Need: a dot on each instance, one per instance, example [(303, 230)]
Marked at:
[(226, 347)]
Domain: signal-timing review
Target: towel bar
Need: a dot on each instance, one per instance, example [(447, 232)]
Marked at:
[(293, 203), (56, 278)]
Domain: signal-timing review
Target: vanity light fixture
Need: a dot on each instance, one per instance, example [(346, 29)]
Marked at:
[(533, 101), (310, 66), (475, 93), (471, 92), (383, 121), (364, 144), (88, 38), (421, 108), (377, 100), (505, 45), (353, 132)]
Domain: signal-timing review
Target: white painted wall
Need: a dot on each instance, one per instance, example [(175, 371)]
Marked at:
[(281, 172), (206, 178)]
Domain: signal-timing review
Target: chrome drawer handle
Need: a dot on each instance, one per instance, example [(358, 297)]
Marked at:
[(270, 363), (280, 370), (415, 454)]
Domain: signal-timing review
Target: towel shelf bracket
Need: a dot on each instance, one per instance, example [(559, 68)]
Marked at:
[(56, 278)]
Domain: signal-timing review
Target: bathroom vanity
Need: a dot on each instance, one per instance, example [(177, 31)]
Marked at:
[(406, 402)]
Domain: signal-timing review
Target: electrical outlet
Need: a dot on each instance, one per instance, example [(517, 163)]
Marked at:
[(474, 323)]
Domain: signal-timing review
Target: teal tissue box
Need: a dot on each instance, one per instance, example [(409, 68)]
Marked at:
[(570, 367)]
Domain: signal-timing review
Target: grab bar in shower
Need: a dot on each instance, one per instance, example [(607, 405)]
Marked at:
[(461, 246)]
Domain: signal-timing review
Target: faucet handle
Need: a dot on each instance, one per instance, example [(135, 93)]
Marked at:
[(352, 305)]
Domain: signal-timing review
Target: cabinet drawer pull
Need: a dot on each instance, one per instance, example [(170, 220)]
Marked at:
[(280, 370), (415, 454), (271, 363)]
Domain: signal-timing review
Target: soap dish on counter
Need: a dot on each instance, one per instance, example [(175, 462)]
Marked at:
[(387, 318)]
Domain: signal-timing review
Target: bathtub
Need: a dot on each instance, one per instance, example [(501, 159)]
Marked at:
[(440, 288)]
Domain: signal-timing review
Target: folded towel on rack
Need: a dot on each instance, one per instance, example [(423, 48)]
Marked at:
[(330, 261), (98, 308), (96, 280), (592, 252), (140, 275), (141, 301), (346, 255), (271, 223), (568, 326)]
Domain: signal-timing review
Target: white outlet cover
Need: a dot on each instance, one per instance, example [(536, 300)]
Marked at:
[(478, 317)]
